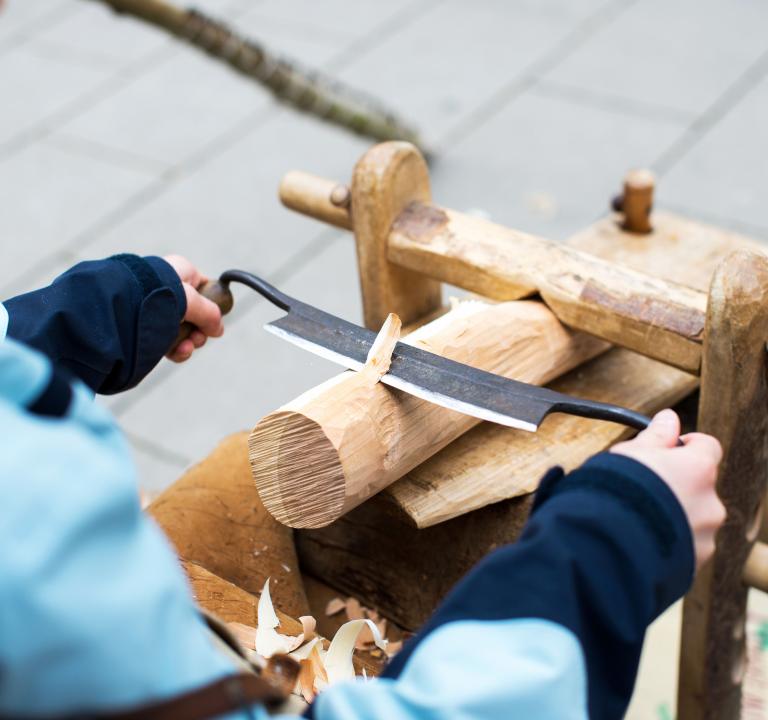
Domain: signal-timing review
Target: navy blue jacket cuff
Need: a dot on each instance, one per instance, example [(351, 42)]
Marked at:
[(107, 322)]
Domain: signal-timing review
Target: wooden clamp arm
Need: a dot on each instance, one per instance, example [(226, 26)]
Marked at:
[(656, 318)]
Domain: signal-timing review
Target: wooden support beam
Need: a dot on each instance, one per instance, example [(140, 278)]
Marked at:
[(340, 443), (656, 318), (388, 178), (405, 244), (734, 408)]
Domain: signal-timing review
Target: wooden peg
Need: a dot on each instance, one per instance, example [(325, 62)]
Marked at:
[(317, 197), (734, 408), (386, 180), (636, 202)]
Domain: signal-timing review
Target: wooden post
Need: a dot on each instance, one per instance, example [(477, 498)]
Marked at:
[(387, 179), (734, 408), (636, 202)]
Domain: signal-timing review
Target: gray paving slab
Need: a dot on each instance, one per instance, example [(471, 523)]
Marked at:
[(49, 197), (93, 34), (21, 17), (724, 176), (680, 55), (230, 385), (155, 473), (438, 68), (33, 88), (332, 17), (545, 165), (227, 213), (168, 113)]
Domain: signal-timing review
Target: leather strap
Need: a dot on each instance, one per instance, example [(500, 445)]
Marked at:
[(235, 692)]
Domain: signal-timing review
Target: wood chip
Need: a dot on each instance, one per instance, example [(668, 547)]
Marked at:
[(335, 605), (393, 648), (354, 609)]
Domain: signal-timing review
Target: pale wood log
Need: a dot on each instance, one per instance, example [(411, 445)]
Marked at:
[(213, 516), (386, 179), (636, 201), (314, 196), (657, 318), (337, 445), (733, 407), (756, 567)]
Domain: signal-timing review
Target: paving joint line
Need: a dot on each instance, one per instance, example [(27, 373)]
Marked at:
[(573, 40), (709, 118)]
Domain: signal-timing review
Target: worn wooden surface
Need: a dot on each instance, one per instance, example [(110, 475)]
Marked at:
[(654, 317), (491, 462), (213, 517), (734, 408), (337, 445), (375, 554), (385, 180)]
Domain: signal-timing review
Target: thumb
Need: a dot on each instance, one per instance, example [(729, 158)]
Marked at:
[(662, 432)]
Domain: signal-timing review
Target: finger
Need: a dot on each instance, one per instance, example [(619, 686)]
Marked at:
[(185, 270), (703, 444), (198, 339), (203, 313), (661, 433), (182, 351)]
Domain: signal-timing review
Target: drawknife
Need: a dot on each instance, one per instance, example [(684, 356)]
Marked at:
[(428, 376)]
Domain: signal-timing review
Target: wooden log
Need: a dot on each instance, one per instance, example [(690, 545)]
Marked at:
[(656, 318), (386, 179), (213, 517), (337, 445), (734, 408)]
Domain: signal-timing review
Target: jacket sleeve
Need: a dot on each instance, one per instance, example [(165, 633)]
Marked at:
[(553, 625), (96, 613), (107, 322)]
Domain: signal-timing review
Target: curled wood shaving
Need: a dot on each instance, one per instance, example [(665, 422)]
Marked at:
[(334, 606), (269, 641), (354, 609), (338, 659)]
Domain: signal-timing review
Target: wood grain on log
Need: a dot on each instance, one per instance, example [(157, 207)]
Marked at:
[(337, 445)]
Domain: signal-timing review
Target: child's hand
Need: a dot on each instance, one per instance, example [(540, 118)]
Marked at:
[(690, 471), (201, 312)]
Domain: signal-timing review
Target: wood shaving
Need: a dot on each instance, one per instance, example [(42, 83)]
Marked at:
[(354, 609), (334, 606)]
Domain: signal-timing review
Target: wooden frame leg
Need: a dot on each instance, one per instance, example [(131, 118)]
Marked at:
[(388, 178), (734, 408)]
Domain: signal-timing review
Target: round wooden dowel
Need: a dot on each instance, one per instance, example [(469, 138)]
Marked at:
[(636, 202)]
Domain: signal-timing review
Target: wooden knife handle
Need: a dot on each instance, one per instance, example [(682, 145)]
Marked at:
[(214, 290)]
